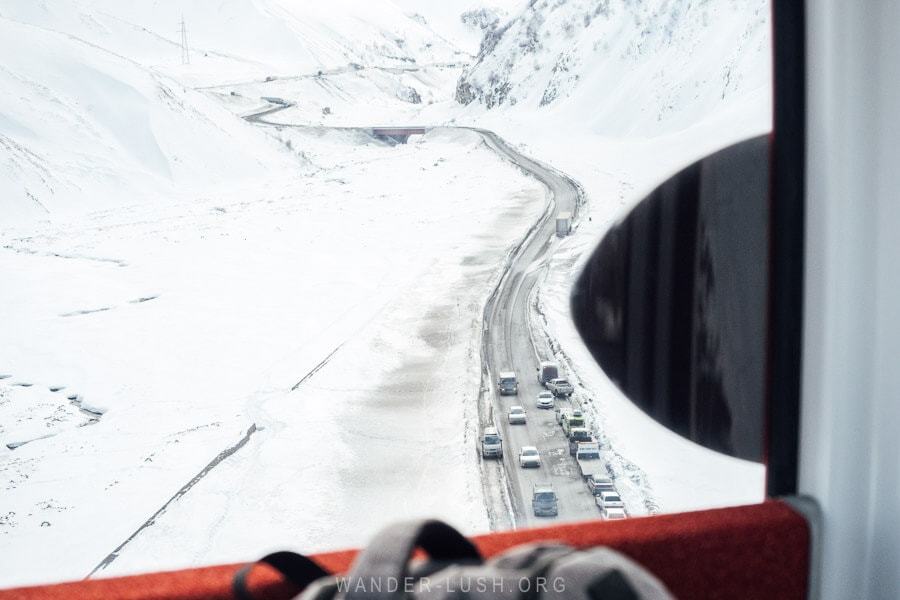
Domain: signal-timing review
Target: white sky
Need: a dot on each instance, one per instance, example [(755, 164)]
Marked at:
[(179, 270)]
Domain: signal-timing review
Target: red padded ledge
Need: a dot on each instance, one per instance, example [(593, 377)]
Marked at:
[(745, 552)]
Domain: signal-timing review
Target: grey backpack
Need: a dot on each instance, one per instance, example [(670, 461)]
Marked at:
[(454, 570)]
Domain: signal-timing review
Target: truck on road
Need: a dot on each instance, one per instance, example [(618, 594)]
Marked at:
[(579, 434), (563, 224), (571, 420), (507, 383), (547, 371), (588, 458), (560, 387), (544, 501)]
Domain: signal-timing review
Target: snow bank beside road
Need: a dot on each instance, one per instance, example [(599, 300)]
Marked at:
[(380, 264)]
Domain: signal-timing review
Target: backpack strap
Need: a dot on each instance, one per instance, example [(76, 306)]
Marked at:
[(381, 571), (532, 561), (296, 568)]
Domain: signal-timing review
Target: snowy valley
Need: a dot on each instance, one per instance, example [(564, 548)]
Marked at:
[(223, 338)]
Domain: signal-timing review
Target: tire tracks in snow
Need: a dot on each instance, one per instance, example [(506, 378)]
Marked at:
[(227, 452), (316, 368), (181, 492)]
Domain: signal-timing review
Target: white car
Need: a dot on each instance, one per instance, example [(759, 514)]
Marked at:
[(612, 514), (545, 400), (529, 457), (607, 499), (516, 414)]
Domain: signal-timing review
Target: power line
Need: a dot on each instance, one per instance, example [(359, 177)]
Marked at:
[(185, 56)]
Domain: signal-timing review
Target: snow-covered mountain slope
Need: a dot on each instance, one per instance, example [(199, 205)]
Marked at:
[(639, 68), (463, 22), (259, 255), (84, 129), (255, 37), (101, 101)]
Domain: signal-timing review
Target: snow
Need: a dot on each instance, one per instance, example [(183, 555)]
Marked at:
[(267, 337)]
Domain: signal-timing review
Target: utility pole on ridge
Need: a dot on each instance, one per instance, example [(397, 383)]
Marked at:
[(185, 56)]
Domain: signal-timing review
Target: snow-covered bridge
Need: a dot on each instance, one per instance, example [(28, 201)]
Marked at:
[(398, 134)]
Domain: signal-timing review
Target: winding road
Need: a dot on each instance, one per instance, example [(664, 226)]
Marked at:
[(511, 343)]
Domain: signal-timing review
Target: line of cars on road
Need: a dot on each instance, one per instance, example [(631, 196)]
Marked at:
[(549, 377), (586, 450), (606, 497), (582, 444)]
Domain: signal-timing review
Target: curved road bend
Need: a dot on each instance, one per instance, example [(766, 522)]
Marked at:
[(509, 344)]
